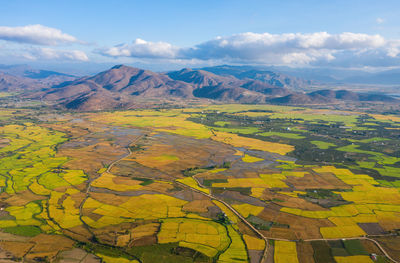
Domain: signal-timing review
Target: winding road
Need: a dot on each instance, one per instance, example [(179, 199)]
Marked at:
[(89, 186)]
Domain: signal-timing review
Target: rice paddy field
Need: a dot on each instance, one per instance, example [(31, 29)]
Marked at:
[(220, 183)]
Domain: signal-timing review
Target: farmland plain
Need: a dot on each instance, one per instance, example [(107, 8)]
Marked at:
[(220, 183)]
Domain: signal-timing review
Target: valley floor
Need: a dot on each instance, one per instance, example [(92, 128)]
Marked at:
[(219, 183)]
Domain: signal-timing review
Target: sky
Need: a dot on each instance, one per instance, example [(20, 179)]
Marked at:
[(90, 35)]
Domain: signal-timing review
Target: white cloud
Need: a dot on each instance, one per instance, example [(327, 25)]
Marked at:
[(142, 49), (380, 20), (54, 54), (264, 48), (23, 37), (292, 49), (393, 48), (36, 34)]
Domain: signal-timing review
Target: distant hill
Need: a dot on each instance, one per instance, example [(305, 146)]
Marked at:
[(266, 76), (22, 78), (388, 77), (330, 96), (29, 72), (343, 76), (115, 88), (227, 88), (125, 87), (10, 83), (121, 86)]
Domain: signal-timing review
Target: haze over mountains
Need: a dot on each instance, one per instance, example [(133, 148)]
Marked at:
[(124, 87), (22, 78), (264, 75)]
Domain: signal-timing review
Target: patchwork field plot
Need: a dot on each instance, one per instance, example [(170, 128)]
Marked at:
[(221, 183), (285, 252)]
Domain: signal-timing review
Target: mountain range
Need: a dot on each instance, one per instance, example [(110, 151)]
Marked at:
[(121, 86), (267, 76), (342, 75), (22, 78), (126, 87)]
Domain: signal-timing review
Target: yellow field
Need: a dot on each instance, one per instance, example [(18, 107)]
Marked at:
[(354, 259), (157, 160), (108, 259), (251, 159), (67, 215), (274, 180), (294, 173), (107, 180), (342, 231), (246, 209), (250, 143), (172, 121), (254, 242), (145, 206), (371, 204), (236, 252), (285, 252), (210, 236), (189, 181), (257, 192), (386, 117)]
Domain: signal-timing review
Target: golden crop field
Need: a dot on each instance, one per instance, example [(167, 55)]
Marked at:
[(285, 252)]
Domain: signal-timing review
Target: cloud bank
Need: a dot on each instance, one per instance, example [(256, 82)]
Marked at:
[(23, 42), (36, 34), (142, 49), (45, 53), (272, 49), (291, 49)]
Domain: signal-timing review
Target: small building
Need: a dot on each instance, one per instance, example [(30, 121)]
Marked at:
[(374, 257)]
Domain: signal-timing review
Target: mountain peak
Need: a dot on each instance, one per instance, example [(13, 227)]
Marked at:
[(125, 69), (119, 66), (185, 70)]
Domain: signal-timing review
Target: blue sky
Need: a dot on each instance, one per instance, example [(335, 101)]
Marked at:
[(186, 32)]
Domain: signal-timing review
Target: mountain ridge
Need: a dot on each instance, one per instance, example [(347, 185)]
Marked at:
[(123, 87)]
